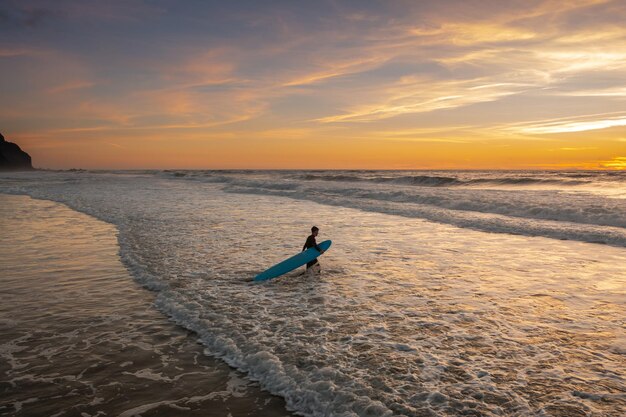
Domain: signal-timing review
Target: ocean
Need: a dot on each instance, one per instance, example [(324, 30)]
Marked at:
[(445, 293)]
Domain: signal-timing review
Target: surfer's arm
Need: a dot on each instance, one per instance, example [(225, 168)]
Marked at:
[(312, 243)]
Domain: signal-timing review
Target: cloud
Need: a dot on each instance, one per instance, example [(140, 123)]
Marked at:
[(465, 34), (594, 122), (69, 86), (422, 96), (24, 16), (619, 162), (116, 145), (12, 52), (616, 92), (336, 69)]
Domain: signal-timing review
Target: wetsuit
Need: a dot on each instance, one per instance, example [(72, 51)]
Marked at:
[(311, 243)]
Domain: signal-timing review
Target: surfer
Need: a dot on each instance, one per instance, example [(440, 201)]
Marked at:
[(310, 251), (311, 243)]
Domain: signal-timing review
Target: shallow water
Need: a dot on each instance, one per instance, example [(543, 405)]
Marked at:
[(409, 317), (79, 337)]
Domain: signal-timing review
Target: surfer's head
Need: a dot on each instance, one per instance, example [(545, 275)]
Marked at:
[(314, 230)]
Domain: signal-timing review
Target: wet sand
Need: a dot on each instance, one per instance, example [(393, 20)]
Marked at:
[(79, 337)]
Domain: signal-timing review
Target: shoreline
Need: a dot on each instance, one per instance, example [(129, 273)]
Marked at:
[(79, 334)]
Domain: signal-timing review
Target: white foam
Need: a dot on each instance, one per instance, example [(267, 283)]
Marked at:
[(408, 318)]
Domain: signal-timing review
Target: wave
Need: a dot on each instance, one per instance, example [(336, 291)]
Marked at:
[(546, 213), (528, 221), (443, 181), (528, 204), (477, 179)]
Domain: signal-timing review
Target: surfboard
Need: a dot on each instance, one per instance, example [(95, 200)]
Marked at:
[(292, 263)]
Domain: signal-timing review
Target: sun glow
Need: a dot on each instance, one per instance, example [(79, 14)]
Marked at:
[(616, 163), (448, 85)]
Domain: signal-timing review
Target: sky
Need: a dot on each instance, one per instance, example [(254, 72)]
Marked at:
[(447, 84)]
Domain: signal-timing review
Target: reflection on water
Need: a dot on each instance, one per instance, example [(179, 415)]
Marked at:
[(78, 337)]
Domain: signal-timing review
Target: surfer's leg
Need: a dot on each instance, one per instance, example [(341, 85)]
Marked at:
[(312, 267)]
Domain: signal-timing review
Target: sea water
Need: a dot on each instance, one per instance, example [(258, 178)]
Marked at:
[(445, 293), (78, 337)]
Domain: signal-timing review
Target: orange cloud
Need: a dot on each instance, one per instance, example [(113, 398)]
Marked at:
[(475, 33), (618, 163), (72, 85)]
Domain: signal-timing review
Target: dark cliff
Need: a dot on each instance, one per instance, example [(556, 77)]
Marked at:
[(12, 158)]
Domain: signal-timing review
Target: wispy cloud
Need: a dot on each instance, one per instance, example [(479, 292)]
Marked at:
[(465, 34), (69, 86), (615, 92), (337, 69), (426, 96), (618, 162), (10, 52), (572, 125), (116, 145)]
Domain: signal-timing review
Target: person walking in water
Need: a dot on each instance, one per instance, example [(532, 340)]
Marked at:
[(311, 243)]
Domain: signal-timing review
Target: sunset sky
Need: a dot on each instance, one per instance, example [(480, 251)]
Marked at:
[(315, 84)]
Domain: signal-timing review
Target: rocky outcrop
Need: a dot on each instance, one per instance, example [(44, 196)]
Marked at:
[(12, 158)]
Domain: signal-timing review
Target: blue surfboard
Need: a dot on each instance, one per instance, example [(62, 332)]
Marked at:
[(293, 262)]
